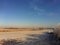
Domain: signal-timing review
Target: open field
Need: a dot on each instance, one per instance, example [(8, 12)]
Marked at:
[(27, 37), (21, 29), (18, 34)]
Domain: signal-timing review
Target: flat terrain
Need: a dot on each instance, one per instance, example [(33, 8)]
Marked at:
[(30, 37), (16, 34)]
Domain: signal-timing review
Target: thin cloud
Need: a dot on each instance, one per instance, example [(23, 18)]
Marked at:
[(39, 10), (35, 7)]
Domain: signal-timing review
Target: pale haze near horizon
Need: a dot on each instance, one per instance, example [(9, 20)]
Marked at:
[(29, 13)]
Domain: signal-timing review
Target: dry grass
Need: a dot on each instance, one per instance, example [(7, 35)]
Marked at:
[(21, 29), (18, 33), (23, 37)]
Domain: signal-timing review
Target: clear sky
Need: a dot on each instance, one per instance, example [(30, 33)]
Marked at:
[(25, 13)]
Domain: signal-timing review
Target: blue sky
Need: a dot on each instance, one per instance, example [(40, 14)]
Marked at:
[(28, 13)]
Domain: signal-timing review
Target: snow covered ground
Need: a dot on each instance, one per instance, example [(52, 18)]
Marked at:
[(38, 37)]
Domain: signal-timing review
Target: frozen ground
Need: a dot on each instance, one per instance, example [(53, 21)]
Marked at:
[(42, 37)]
